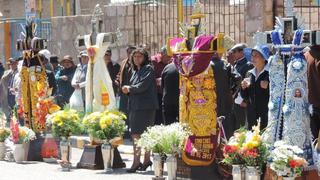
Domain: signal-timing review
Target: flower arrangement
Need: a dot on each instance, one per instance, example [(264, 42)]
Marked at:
[(231, 150), (20, 134), (45, 106), (105, 125), (164, 139), (4, 133), (253, 150), (286, 160), (246, 148), (64, 123)]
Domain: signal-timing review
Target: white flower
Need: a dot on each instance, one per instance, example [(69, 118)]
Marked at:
[(270, 105), (297, 65)]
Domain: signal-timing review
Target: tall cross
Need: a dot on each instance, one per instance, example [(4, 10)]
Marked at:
[(96, 23)]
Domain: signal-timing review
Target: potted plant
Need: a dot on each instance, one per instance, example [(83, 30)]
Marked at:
[(165, 142), (172, 142), (4, 134), (287, 161), (254, 153), (232, 154), (21, 136), (63, 124), (150, 141), (107, 127)]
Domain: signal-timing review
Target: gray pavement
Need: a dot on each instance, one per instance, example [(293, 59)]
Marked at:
[(46, 171)]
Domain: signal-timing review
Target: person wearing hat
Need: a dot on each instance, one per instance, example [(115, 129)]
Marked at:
[(64, 78), (312, 56), (8, 87), (255, 88), (240, 69), (46, 59), (79, 78), (54, 61)]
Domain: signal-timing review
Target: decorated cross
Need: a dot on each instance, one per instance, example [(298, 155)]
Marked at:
[(99, 91)]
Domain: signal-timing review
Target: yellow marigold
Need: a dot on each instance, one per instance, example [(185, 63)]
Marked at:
[(105, 121), (22, 133)]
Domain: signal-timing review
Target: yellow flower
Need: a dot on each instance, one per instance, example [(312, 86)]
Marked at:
[(256, 138), (54, 108), (22, 133), (105, 121), (251, 144)]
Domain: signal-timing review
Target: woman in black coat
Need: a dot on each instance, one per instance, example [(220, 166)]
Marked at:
[(255, 88), (142, 103)]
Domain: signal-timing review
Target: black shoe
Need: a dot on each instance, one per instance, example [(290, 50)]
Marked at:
[(134, 169), (119, 165), (145, 166)]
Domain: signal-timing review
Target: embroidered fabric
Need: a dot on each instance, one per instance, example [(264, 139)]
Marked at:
[(276, 99), (296, 123)]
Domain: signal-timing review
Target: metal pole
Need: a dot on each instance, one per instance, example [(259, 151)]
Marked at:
[(61, 6), (51, 8), (68, 8), (180, 14), (40, 8)]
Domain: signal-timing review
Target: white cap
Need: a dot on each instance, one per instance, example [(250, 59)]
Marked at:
[(46, 53)]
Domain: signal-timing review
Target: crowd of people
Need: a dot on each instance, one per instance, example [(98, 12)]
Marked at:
[(147, 87)]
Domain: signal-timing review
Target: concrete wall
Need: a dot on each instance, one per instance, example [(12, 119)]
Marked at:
[(66, 29), (15, 8)]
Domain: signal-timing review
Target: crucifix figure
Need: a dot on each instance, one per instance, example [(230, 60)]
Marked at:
[(99, 91)]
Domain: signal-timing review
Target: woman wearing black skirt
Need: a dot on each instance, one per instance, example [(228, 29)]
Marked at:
[(142, 103)]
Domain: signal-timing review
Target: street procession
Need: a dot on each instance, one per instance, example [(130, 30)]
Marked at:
[(160, 89)]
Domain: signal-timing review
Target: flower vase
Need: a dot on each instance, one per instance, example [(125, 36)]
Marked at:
[(158, 165), (172, 166), (107, 155), (20, 152), (237, 172), (2, 151), (252, 173), (65, 148)]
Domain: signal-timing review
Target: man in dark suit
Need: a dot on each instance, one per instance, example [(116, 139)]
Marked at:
[(224, 80), (170, 90), (241, 67)]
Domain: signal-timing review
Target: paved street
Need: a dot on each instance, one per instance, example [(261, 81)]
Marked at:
[(45, 171)]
